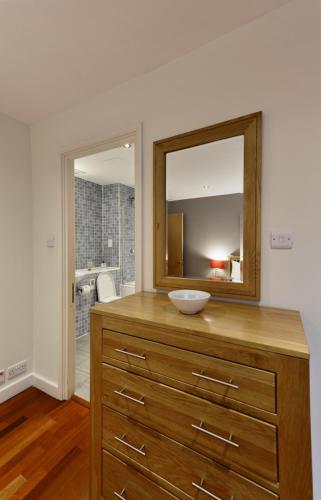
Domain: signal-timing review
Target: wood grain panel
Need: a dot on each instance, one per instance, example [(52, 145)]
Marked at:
[(274, 453), (248, 385), (262, 328), (120, 478), (95, 403), (176, 463), (294, 443), (174, 412)]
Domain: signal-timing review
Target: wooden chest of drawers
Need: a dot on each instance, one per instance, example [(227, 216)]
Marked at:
[(210, 406)]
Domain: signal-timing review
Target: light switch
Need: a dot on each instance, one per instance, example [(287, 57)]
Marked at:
[(282, 240), (51, 241), (109, 243)]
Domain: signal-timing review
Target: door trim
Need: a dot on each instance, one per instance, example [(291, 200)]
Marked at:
[(66, 368)]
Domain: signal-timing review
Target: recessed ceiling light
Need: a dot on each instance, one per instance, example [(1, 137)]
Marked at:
[(127, 145)]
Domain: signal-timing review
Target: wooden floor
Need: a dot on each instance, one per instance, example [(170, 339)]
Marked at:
[(44, 448)]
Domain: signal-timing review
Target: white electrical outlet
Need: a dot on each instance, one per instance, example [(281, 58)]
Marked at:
[(282, 240), (17, 369), (2, 377)]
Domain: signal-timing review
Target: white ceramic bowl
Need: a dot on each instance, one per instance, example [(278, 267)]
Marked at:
[(189, 301)]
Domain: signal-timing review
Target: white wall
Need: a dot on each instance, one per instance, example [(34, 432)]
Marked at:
[(271, 65), (15, 251)]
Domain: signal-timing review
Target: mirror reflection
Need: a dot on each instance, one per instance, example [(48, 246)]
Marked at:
[(204, 200)]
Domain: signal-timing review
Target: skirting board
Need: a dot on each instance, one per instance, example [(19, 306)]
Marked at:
[(13, 388), (45, 385), (22, 383)]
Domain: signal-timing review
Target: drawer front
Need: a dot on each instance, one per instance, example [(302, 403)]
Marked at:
[(235, 439), (231, 380), (180, 466), (120, 481)]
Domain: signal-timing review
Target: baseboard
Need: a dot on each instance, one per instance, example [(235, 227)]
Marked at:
[(13, 388), (45, 385), (22, 383)]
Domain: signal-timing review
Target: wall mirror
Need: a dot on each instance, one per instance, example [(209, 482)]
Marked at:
[(207, 209)]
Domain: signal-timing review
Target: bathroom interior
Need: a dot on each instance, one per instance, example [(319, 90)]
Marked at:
[(104, 242)]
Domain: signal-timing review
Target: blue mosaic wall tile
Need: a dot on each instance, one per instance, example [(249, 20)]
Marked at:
[(111, 224), (118, 225), (127, 233), (103, 213), (88, 220)]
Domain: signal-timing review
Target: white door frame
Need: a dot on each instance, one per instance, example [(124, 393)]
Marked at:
[(67, 346)]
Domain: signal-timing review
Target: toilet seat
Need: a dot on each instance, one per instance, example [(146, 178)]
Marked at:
[(106, 289)]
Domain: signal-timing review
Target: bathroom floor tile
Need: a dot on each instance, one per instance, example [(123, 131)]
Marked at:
[(81, 377), (83, 344), (81, 356), (83, 391), (82, 363), (84, 366)]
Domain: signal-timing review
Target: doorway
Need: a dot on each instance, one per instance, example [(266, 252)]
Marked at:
[(102, 244)]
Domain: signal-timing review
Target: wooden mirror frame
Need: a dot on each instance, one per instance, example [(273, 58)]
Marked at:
[(250, 127)]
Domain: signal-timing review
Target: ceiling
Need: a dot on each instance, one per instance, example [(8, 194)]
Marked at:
[(56, 53), (109, 167), (213, 169)]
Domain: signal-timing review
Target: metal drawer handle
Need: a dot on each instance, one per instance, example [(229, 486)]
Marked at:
[(228, 384), (208, 493), (121, 440), (216, 436), (120, 495), (124, 351), (120, 392)]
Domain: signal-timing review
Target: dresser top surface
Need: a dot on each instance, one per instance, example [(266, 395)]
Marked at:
[(275, 330)]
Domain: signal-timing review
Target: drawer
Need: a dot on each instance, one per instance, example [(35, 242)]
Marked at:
[(176, 464), (236, 440), (230, 380), (121, 481)]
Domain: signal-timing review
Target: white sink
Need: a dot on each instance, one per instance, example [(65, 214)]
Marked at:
[(189, 301)]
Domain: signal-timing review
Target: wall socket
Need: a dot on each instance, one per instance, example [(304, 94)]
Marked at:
[(2, 377), (282, 240), (17, 369)]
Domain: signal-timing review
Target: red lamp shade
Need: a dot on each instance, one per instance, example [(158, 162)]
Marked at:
[(217, 264)]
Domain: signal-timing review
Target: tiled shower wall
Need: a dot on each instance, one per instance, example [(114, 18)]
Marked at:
[(103, 213), (88, 210), (127, 232), (118, 225), (110, 224)]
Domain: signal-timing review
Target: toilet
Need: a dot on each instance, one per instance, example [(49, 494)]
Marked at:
[(106, 288)]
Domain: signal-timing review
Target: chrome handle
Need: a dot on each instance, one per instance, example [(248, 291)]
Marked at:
[(228, 384), (120, 495), (203, 490), (216, 436), (122, 441), (120, 392), (124, 351)]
